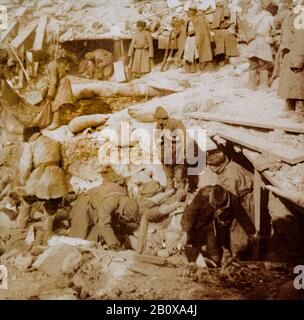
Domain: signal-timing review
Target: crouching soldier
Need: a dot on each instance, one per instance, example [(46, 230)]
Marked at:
[(105, 214), (215, 218), (40, 172)]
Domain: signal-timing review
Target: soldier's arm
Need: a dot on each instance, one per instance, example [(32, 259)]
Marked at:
[(105, 211), (26, 164), (150, 41), (53, 78)]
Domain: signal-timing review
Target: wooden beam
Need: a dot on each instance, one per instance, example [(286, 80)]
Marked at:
[(150, 259), (276, 150), (281, 124), (24, 34), (8, 31), (257, 192), (40, 33), (286, 195)]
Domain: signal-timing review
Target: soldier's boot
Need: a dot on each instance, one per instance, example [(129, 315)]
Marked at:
[(264, 79), (55, 122), (252, 84), (299, 116), (288, 110), (23, 216)]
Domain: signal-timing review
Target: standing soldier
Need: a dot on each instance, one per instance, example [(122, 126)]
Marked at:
[(224, 34), (141, 51), (259, 49), (58, 93), (202, 35), (171, 146), (291, 86)]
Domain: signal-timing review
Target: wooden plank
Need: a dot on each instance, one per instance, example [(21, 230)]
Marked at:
[(150, 259), (276, 150), (8, 31), (281, 124), (275, 188), (40, 33), (286, 195), (24, 34)]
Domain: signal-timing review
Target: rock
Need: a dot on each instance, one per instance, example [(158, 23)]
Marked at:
[(52, 260), (22, 262), (30, 238), (79, 124), (71, 262)]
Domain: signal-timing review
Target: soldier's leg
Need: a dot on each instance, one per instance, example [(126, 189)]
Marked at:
[(214, 248), (299, 111), (252, 84), (169, 172), (179, 176)]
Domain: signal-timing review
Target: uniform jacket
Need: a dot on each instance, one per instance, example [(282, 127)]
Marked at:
[(94, 214), (225, 40), (141, 50), (178, 147), (291, 84), (202, 35), (200, 215), (239, 182), (260, 47), (40, 170)]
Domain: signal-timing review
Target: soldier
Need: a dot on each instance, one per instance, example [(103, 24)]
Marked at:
[(202, 35), (174, 169), (58, 93), (224, 34), (40, 171), (215, 218), (98, 64), (141, 51), (105, 214), (233, 178), (259, 49), (292, 71)]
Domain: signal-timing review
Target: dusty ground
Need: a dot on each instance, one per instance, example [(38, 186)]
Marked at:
[(97, 277)]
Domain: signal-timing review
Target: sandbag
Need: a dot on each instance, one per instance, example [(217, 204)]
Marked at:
[(81, 123)]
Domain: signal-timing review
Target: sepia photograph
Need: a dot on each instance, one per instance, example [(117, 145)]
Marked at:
[(152, 150)]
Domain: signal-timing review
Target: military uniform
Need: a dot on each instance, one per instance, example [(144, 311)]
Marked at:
[(173, 166), (239, 182), (141, 52), (291, 86), (259, 50), (202, 37), (40, 170), (224, 37), (58, 93), (98, 215), (217, 228)]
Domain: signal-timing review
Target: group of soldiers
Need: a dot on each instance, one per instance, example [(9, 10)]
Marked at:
[(276, 48), (218, 216)]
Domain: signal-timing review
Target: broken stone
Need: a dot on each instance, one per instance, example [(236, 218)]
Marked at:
[(30, 238), (52, 259), (22, 262), (79, 124), (71, 262)]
